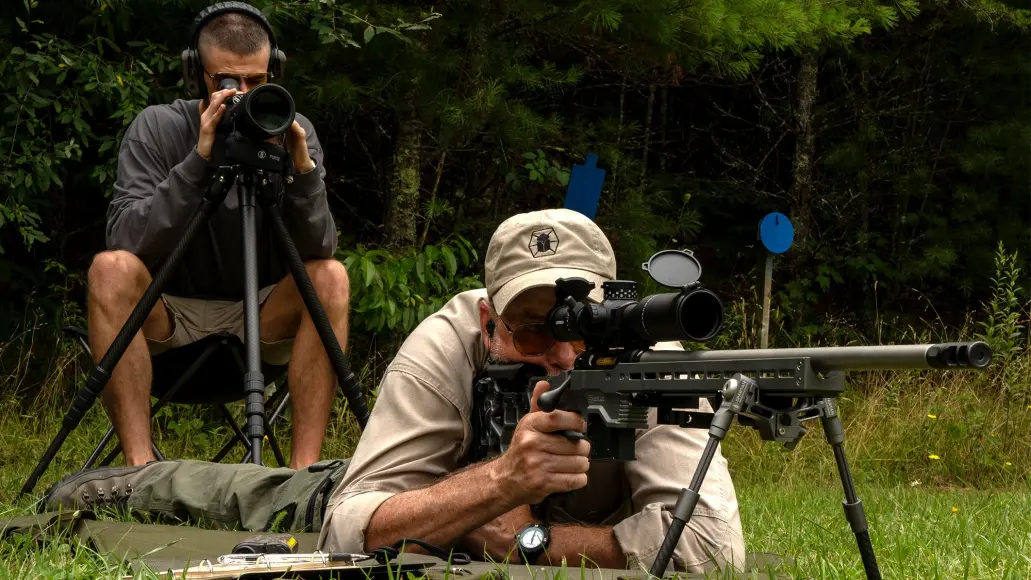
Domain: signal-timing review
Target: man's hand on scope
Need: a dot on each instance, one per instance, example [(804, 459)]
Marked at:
[(297, 145), (210, 117), (540, 462)]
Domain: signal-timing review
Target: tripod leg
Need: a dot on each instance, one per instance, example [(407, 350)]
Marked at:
[(346, 379), (854, 512), (734, 393), (273, 443), (254, 380), (101, 373)]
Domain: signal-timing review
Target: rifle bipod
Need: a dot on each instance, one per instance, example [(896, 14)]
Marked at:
[(741, 397)]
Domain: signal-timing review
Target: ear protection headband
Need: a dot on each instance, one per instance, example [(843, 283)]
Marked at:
[(193, 70)]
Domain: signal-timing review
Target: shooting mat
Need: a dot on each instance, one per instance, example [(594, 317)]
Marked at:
[(163, 547)]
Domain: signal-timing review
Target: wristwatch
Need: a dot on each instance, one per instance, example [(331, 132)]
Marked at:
[(532, 540)]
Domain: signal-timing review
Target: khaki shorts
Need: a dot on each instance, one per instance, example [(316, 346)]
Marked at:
[(194, 319)]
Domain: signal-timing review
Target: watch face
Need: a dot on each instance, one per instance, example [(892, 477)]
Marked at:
[(532, 538)]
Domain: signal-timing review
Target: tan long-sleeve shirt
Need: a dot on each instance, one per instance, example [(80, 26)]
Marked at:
[(420, 431)]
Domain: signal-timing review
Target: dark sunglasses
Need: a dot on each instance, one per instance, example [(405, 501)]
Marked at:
[(252, 79), (532, 338)]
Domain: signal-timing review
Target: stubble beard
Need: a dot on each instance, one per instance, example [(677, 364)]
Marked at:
[(495, 353)]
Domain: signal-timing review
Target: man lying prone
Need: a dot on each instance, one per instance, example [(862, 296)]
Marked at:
[(410, 475)]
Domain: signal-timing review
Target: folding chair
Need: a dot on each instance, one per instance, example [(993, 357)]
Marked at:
[(207, 372)]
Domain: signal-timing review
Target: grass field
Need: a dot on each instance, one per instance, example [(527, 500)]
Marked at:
[(926, 534), (966, 514), (916, 533), (942, 462)]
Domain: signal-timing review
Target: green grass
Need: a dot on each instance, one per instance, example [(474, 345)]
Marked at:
[(916, 533), (790, 501), (942, 462)]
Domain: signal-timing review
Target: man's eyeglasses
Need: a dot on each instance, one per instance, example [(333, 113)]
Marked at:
[(532, 338), (252, 79)]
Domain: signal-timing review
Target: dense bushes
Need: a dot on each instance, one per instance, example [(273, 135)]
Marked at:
[(439, 125)]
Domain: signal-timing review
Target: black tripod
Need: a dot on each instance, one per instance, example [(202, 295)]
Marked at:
[(741, 397), (249, 164)]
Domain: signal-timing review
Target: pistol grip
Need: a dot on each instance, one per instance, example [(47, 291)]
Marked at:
[(572, 436)]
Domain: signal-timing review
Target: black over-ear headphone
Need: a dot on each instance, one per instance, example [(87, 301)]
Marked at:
[(193, 69)]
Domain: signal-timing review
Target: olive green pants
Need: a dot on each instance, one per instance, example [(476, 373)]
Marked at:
[(211, 495)]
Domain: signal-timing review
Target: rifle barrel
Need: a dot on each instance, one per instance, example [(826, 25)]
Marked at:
[(969, 355)]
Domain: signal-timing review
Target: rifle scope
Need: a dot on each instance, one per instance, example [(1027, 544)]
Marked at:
[(694, 313)]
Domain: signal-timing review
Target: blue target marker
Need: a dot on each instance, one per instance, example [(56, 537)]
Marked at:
[(776, 232), (584, 190)]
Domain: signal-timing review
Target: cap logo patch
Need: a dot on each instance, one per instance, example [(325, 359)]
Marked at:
[(543, 242)]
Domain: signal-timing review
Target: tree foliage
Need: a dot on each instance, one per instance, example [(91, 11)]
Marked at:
[(447, 118)]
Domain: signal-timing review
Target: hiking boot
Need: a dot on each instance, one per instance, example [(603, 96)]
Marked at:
[(102, 487)]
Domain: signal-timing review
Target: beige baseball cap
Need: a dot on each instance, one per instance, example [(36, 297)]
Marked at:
[(534, 249)]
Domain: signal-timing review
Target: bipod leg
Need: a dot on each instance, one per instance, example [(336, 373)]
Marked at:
[(345, 377), (101, 373), (253, 379), (734, 395), (854, 512)]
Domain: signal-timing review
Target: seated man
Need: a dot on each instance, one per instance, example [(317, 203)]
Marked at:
[(410, 476), (164, 167)]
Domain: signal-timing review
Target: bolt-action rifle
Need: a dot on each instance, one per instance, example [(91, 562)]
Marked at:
[(620, 377)]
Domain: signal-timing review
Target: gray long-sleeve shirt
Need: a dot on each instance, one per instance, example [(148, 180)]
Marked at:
[(161, 182)]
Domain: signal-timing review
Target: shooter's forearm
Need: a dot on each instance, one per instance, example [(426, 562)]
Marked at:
[(596, 546), (496, 538), (442, 513)]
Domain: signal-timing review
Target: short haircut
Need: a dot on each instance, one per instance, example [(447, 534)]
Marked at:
[(238, 33)]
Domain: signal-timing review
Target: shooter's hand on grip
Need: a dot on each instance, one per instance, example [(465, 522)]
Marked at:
[(210, 117), (540, 461)]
